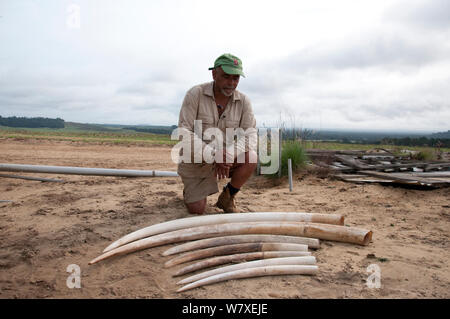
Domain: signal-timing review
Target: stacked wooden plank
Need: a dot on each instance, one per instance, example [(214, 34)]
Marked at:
[(383, 167)]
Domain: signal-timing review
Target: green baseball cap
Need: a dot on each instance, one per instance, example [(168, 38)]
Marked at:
[(230, 64)]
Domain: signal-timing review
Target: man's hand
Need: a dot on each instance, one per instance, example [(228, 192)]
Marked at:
[(223, 169)]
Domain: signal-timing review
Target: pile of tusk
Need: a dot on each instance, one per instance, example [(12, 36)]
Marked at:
[(216, 219), (254, 272), (237, 258), (233, 249), (187, 224), (275, 266), (239, 239), (267, 243), (302, 229)]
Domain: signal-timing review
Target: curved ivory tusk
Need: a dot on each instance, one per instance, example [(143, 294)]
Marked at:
[(320, 231), (254, 272), (233, 249), (215, 261), (306, 260), (222, 219), (240, 239)]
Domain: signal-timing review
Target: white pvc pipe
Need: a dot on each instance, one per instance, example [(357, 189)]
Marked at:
[(85, 171), (305, 260), (280, 150), (254, 272), (222, 219), (31, 178), (240, 239), (290, 174)]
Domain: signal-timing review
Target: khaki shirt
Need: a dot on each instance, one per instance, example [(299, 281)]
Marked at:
[(199, 104)]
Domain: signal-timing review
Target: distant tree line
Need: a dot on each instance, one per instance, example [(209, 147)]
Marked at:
[(420, 141), (403, 141), (293, 134), (441, 139), (33, 122), (154, 130), (441, 135)]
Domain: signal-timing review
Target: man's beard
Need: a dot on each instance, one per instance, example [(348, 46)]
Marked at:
[(227, 94)]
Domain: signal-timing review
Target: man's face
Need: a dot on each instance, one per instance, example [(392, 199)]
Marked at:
[(226, 83)]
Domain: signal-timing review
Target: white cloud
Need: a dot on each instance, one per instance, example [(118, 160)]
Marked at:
[(328, 64)]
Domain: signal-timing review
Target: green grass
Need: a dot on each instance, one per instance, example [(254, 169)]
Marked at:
[(424, 155), (294, 151)]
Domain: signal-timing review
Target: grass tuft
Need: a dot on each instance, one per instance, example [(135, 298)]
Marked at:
[(294, 151)]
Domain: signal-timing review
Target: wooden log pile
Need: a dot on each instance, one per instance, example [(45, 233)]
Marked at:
[(381, 166)]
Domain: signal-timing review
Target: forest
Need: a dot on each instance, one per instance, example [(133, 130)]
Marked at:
[(33, 122)]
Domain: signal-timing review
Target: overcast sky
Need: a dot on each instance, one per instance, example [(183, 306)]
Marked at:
[(347, 64)]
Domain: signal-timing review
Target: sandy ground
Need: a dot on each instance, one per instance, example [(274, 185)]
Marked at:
[(50, 226)]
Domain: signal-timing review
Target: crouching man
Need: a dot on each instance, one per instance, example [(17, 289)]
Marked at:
[(219, 106)]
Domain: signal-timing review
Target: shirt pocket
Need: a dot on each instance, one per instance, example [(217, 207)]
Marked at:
[(231, 124), (207, 122)]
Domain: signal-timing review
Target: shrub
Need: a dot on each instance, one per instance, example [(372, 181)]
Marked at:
[(294, 151), (424, 156)]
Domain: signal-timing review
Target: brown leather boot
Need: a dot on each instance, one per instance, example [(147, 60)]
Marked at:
[(226, 201)]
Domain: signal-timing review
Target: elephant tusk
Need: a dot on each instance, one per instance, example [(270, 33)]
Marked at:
[(213, 219), (306, 260), (320, 231), (215, 261), (239, 239), (254, 272), (233, 249)]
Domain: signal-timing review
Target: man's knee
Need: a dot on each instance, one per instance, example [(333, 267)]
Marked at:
[(197, 207)]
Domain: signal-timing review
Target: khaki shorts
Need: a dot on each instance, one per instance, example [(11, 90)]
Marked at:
[(198, 188)]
